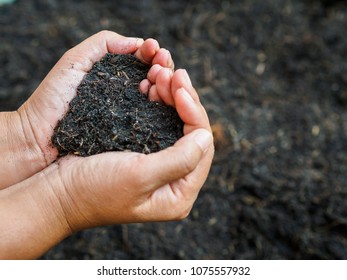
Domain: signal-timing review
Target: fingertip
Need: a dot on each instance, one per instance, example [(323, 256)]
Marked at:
[(181, 79), (172, 163), (145, 86), (153, 94), (187, 108), (153, 72), (164, 76), (170, 62), (203, 138), (190, 148), (163, 83), (186, 78), (163, 57), (152, 44), (139, 42), (147, 50), (124, 46)]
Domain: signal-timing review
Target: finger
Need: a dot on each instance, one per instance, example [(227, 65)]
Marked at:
[(91, 50), (181, 79), (153, 94), (163, 58), (145, 86), (163, 85), (174, 162), (180, 194), (153, 72), (187, 102), (189, 112), (147, 51), (192, 113), (175, 200), (196, 178)]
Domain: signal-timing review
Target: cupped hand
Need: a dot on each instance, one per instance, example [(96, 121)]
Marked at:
[(130, 187), (31, 127), (53, 198)]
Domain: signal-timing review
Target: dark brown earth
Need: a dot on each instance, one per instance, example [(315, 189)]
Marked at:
[(110, 114), (272, 75)]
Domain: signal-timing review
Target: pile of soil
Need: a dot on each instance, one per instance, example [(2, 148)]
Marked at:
[(110, 114), (272, 77)]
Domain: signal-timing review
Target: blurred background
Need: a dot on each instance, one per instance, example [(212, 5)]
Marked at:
[(272, 75)]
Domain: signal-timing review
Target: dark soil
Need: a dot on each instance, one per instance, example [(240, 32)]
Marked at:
[(110, 114), (272, 76)]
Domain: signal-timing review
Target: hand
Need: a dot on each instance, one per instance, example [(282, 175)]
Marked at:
[(25, 147), (74, 193)]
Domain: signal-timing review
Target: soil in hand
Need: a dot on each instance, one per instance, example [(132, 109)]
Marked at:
[(110, 114)]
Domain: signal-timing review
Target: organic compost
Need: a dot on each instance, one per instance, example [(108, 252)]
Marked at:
[(110, 114)]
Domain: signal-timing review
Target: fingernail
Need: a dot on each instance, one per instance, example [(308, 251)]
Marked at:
[(186, 78), (168, 71), (186, 95), (204, 139), (139, 41), (170, 62)]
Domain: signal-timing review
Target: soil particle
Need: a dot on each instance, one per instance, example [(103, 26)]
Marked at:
[(110, 114)]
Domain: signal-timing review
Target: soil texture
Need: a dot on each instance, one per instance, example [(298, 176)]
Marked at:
[(110, 114), (272, 75)]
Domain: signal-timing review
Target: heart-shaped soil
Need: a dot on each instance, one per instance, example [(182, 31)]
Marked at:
[(110, 114)]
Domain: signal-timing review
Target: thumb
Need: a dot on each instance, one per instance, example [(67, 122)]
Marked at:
[(174, 162)]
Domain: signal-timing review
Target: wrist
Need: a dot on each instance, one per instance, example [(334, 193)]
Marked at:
[(20, 156), (32, 217)]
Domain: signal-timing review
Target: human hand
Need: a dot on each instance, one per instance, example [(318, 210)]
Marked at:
[(132, 187), (28, 130), (74, 193)]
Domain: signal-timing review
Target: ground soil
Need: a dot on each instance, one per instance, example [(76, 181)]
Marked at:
[(109, 113), (272, 77)]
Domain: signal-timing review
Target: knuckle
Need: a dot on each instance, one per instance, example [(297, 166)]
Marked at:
[(68, 53), (135, 168), (183, 213), (180, 211), (103, 32)]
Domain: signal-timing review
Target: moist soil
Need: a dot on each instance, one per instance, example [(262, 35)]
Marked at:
[(272, 77), (110, 114)]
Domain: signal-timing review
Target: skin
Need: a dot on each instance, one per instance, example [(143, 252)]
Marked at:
[(43, 200)]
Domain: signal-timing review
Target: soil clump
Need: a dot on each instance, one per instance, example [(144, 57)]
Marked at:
[(110, 114)]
